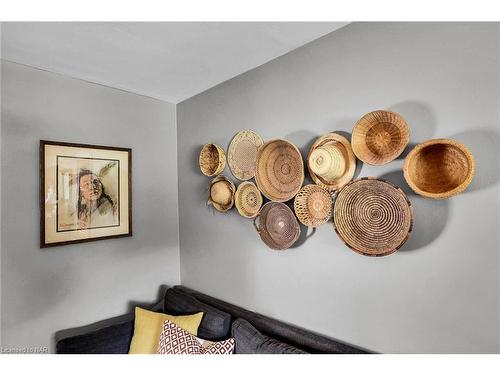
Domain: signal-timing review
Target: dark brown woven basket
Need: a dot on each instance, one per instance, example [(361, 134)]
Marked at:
[(277, 225), (372, 216)]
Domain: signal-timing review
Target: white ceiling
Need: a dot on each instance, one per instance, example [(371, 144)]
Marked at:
[(171, 61)]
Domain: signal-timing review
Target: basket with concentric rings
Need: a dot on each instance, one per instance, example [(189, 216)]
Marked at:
[(340, 162), (212, 159), (277, 225), (280, 170), (372, 216), (248, 199), (313, 205)]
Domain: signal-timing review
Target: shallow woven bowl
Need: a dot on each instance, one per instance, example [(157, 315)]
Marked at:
[(277, 225), (280, 170), (248, 199), (212, 159), (379, 137), (343, 144), (221, 193), (313, 205), (439, 168), (372, 216), (242, 154)]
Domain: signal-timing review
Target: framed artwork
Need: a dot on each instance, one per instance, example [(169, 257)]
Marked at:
[(85, 193)]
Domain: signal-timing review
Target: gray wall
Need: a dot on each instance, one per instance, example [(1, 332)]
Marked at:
[(44, 290), (440, 293)]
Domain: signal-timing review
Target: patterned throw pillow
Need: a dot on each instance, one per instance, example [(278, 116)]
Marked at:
[(175, 340)]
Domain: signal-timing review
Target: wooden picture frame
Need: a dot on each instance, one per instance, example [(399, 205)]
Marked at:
[(85, 193)]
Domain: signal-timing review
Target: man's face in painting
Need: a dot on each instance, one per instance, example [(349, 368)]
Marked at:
[(90, 187)]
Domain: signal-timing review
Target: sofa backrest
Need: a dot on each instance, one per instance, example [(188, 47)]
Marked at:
[(303, 339)]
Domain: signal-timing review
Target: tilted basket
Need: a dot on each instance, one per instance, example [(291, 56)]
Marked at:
[(277, 225), (439, 168), (212, 159), (379, 137), (341, 163)]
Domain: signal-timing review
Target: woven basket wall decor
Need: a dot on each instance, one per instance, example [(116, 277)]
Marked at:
[(335, 168), (248, 199), (277, 225), (280, 170), (221, 193), (313, 205), (379, 137), (212, 159), (242, 154), (439, 168), (372, 216)]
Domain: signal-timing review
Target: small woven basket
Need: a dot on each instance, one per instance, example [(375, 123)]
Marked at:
[(212, 159), (242, 154), (221, 193), (379, 137), (439, 168), (372, 216), (313, 205), (248, 199), (344, 151), (280, 170), (277, 225)]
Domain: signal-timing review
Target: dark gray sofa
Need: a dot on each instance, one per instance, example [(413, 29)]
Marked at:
[(253, 332)]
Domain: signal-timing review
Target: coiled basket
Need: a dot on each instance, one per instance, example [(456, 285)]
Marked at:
[(277, 225), (372, 216)]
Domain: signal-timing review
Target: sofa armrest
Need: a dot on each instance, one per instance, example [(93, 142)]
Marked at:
[(110, 336)]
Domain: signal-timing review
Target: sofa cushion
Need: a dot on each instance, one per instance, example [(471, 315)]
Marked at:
[(215, 324), (250, 341), (114, 339), (175, 340), (148, 326)]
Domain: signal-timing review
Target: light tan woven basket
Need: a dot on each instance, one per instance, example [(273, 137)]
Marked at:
[(248, 199), (379, 137), (221, 193), (242, 154), (372, 216), (313, 205), (277, 225), (344, 151), (439, 168), (212, 159), (280, 170)]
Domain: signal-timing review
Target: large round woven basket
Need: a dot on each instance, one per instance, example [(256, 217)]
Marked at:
[(372, 216), (280, 170), (313, 205), (221, 193), (242, 154), (212, 159), (344, 166), (439, 168), (379, 137), (248, 199), (277, 225)]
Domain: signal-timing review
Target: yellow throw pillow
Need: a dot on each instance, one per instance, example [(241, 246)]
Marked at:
[(148, 326)]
